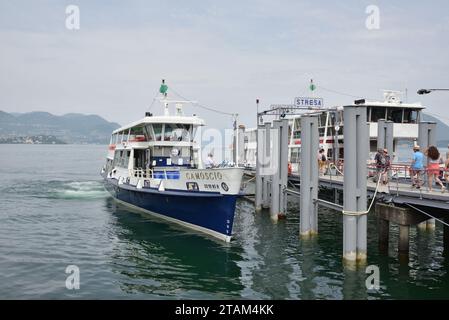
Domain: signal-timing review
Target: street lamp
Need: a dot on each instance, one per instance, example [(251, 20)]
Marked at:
[(427, 91)]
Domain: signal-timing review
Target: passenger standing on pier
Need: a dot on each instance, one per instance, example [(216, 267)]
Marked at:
[(417, 167), (380, 162), (322, 161), (387, 167), (433, 167), (446, 171)]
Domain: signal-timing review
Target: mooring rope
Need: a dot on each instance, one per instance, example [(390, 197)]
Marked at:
[(359, 213), (336, 168)]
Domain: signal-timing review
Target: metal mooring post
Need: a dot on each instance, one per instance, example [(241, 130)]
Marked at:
[(260, 162), (275, 166), (389, 141), (283, 163), (381, 134), (426, 138), (267, 163), (355, 185), (309, 176)]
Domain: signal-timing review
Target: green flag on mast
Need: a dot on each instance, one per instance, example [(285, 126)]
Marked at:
[(312, 86), (164, 88)]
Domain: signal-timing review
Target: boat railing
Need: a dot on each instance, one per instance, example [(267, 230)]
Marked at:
[(147, 174), (141, 173)]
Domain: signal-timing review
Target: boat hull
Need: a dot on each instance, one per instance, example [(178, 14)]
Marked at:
[(210, 213)]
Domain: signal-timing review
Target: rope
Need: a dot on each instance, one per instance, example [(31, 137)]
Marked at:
[(423, 212), (154, 99), (359, 213), (204, 107), (250, 179), (333, 164)]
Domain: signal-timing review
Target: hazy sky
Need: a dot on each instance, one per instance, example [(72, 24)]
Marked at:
[(220, 53)]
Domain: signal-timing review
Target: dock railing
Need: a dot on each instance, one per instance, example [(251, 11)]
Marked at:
[(395, 175)]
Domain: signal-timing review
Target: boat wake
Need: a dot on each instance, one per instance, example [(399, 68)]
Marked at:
[(77, 190), (65, 190)]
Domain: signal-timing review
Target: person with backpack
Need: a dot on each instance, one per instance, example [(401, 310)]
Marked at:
[(380, 162), (322, 160), (386, 165)]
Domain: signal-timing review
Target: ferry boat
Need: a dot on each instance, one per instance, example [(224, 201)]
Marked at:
[(405, 116), (154, 164)]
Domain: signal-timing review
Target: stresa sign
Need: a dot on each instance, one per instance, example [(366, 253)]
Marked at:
[(309, 102)]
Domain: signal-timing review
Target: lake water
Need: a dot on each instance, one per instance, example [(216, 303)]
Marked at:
[(54, 213)]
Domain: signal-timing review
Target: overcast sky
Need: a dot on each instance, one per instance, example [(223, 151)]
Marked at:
[(223, 54)]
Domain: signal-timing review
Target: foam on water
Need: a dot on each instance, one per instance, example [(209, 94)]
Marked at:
[(78, 190)]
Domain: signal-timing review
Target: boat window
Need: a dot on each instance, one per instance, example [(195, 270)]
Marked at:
[(176, 132), (121, 158), (137, 134), (410, 116), (297, 135), (394, 114), (157, 127), (377, 113), (148, 131), (323, 118), (298, 124), (321, 131), (125, 136)]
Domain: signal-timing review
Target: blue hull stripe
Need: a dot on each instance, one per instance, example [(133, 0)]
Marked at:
[(212, 211)]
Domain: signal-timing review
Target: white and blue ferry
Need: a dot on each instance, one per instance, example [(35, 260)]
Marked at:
[(154, 164)]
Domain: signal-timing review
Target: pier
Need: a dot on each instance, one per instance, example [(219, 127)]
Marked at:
[(355, 183)]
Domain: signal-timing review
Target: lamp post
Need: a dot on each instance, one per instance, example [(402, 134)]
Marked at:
[(427, 91)]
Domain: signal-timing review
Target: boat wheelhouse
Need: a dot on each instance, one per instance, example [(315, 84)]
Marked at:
[(154, 164)]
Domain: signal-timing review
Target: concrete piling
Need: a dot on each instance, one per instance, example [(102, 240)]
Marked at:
[(274, 160), (404, 217), (260, 156), (266, 192), (355, 185), (283, 170), (279, 165), (404, 232), (309, 175), (381, 128)]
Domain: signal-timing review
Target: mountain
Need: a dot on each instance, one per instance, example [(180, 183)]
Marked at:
[(442, 130), (69, 128)]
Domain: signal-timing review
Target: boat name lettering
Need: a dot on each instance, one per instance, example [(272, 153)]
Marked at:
[(204, 175)]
